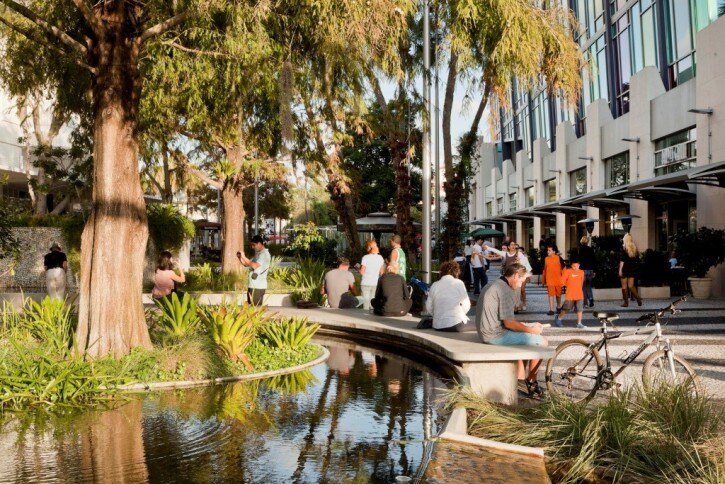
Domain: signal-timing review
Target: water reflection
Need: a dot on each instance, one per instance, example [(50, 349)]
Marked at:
[(362, 417)]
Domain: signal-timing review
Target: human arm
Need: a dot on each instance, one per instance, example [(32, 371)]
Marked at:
[(180, 277), (465, 301), (247, 262), (621, 265), (394, 259), (497, 252), (65, 265), (520, 327), (362, 269), (429, 299)]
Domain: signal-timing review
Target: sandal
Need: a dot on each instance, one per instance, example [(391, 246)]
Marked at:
[(534, 389)]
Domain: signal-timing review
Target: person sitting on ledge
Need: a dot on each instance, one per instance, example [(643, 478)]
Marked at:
[(448, 301), (339, 286), (496, 324), (391, 296)]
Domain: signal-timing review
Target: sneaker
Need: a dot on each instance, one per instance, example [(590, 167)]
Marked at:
[(550, 313), (580, 326), (591, 303), (534, 389), (558, 323)]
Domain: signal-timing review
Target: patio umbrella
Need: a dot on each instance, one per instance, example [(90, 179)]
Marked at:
[(487, 232)]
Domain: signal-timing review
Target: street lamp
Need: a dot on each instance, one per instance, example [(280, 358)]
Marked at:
[(626, 221), (589, 224), (709, 112)]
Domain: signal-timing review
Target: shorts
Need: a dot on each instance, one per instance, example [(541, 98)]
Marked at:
[(553, 290), (513, 338), (577, 305)]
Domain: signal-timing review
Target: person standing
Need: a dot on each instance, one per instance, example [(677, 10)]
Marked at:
[(391, 296), (551, 278), (628, 268), (165, 276), (372, 267), (56, 267), (259, 265), (524, 261), (448, 301), (496, 324), (573, 283), (397, 256), (477, 264), (587, 264)]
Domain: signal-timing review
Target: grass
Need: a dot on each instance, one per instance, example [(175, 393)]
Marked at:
[(663, 434)]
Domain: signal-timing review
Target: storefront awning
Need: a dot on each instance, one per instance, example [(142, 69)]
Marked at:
[(608, 198), (712, 174)]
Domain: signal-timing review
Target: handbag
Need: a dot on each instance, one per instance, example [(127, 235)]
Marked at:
[(425, 323)]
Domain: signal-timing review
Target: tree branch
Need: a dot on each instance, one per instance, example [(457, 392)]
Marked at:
[(182, 48), (161, 27), (204, 177), (153, 180), (93, 22), (379, 96), (33, 37), (481, 107), (45, 25)]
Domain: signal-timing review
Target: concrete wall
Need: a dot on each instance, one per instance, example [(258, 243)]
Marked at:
[(29, 272)]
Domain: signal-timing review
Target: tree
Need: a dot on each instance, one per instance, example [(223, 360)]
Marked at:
[(105, 42), (517, 39)]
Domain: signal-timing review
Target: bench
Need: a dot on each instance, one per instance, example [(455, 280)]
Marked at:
[(489, 370)]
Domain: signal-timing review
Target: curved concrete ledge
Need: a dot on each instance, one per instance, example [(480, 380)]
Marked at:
[(489, 370), (145, 387)]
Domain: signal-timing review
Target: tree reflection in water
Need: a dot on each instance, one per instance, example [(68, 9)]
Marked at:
[(361, 417)]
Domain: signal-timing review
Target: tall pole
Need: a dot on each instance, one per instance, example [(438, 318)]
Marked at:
[(438, 141), (426, 142), (256, 206)]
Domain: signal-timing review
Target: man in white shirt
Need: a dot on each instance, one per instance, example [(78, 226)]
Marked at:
[(477, 263), (448, 301)]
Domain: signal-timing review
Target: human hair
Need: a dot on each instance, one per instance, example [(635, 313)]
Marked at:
[(584, 240), (629, 246), (450, 268), (396, 239), (343, 261), (164, 263), (554, 248), (514, 269), (370, 245), (257, 239)]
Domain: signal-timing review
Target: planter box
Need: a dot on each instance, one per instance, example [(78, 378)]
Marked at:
[(615, 294)]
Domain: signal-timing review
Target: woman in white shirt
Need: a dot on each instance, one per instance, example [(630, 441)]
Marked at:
[(448, 301), (372, 267)]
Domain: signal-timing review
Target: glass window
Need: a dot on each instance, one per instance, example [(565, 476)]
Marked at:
[(499, 205), (636, 37), (617, 170), (624, 64), (513, 202), (676, 152), (649, 39), (489, 209), (530, 200), (578, 181), (551, 191)]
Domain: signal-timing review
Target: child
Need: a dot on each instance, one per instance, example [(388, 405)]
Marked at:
[(551, 277), (573, 281)]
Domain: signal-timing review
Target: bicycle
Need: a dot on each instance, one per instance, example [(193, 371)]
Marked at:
[(577, 372)]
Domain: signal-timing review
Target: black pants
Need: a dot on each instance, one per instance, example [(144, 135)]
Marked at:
[(400, 309), (255, 296), (480, 279), (459, 328)]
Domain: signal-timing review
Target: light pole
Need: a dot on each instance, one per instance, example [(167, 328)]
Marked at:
[(426, 143), (438, 142), (256, 205)]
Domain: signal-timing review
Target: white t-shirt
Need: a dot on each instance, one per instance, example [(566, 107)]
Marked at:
[(372, 264), (468, 250), (476, 261), (448, 302)]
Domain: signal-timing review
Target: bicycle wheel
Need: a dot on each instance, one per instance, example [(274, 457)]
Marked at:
[(572, 372), (656, 371)]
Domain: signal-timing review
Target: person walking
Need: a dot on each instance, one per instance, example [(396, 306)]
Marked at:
[(259, 264), (448, 301), (391, 296), (587, 263), (477, 264), (372, 267), (397, 256), (165, 276), (551, 278), (573, 285), (56, 267), (496, 324), (628, 268)]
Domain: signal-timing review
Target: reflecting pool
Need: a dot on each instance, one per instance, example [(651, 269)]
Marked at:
[(364, 416)]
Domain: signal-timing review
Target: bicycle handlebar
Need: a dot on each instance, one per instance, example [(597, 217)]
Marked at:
[(672, 309)]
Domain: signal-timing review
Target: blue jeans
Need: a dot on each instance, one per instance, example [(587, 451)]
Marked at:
[(513, 338), (480, 279), (588, 281)]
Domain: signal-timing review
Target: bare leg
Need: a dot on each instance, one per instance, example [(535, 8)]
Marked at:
[(520, 371), (534, 365), (579, 316), (552, 299)]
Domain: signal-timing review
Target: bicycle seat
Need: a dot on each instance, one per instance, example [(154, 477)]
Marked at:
[(604, 315)]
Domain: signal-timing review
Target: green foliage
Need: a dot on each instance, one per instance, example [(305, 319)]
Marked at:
[(291, 383), (266, 358), (168, 228), (292, 333), (307, 242), (306, 278), (8, 244), (233, 327), (207, 278), (664, 433), (655, 268), (178, 318), (50, 323), (701, 250)]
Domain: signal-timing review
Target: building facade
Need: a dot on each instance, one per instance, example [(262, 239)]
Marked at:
[(647, 139)]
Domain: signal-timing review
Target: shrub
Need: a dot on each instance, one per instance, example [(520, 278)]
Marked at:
[(233, 328), (290, 333), (655, 268), (306, 279), (606, 255), (307, 242), (168, 228), (701, 250), (177, 319)]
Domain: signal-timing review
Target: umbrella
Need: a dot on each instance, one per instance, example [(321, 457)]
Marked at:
[(487, 232)]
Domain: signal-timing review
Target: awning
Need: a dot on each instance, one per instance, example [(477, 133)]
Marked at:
[(712, 174), (608, 198)]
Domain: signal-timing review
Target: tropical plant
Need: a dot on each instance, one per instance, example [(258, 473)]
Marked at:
[(291, 383), (699, 251), (292, 333), (306, 278), (178, 318), (233, 328), (168, 228), (51, 323)]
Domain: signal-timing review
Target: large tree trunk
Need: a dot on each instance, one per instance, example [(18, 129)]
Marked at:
[(232, 229), (341, 196), (446, 121), (403, 195), (110, 313)]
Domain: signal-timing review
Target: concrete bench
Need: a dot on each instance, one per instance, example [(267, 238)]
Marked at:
[(489, 370)]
